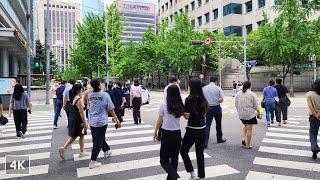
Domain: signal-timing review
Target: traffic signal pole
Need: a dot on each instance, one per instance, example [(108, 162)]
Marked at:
[(47, 54), (245, 53), (107, 50), (28, 48)]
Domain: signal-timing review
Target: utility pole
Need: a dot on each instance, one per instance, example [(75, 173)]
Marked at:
[(28, 47), (245, 53), (47, 54), (107, 50), (220, 65), (313, 59)]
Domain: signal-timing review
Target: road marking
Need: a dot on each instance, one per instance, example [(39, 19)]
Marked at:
[(118, 134), (27, 139), (285, 151), (297, 126), (150, 109), (28, 133), (34, 170), (24, 147), (253, 175), (29, 128), (294, 136), (123, 151), (118, 142), (126, 165), (112, 128), (211, 171), (286, 142), (36, 156), (293, 122), (124, 123), (288, 130), (315, 167), (32, 124)]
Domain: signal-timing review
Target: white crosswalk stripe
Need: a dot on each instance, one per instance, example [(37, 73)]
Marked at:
[(140, 144), (36, 144), (286, 145)]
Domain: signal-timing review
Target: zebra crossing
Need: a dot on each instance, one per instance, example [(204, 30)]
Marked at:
[(134, 152), (153, 106), (285, 153), (36, 145)]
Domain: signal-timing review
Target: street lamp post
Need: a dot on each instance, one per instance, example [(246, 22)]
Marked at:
[(245, 53), (107, 50), (28, 48), (313, 59), (47, 54)]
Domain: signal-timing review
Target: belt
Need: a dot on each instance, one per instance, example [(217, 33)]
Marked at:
[(214, 106)]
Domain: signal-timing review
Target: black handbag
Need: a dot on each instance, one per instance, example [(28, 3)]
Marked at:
[(3, 120), (263, 104), (287, 101)]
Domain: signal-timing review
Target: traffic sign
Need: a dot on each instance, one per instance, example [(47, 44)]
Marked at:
[(201, 76), (207, 41)]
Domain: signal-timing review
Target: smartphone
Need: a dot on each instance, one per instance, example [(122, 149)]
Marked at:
[(84, 132), (29, 111), (116, 126)]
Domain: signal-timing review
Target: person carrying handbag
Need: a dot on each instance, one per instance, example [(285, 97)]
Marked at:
[(283, 103)]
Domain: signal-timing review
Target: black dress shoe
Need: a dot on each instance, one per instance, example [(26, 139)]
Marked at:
[(243, 143), (314, 154), (222, 141)]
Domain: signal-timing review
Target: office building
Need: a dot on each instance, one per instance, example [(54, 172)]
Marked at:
[(13, 37), (230, 16), (63, 18), (138, 17), (92, 6)]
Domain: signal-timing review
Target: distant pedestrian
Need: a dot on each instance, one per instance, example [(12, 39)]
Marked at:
[(234, 88), (54, 87), (195, 108), (100, 104), (118, 100), (247, 106), (239, 86), (20, 105), (269, 95), (170, 112), (214, 96), (59, 103), (283, 104), (313, 100), (78, 125), (66, 99), (136, 101), (126, 89)]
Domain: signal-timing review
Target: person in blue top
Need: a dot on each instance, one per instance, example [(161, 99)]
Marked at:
[(59, 103), (118, 100), (269, 95)]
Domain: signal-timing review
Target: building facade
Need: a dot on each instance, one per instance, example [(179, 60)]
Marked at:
[(92, 6), (13, 37), (230, 16), (63, 18), (138, 17)]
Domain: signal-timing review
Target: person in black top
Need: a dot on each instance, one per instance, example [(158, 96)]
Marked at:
[(59, 103), (118, 100), (283, 104), (234, 88), (195, 109)]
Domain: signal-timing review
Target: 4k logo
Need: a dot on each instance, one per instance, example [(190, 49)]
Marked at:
[(15, 164)]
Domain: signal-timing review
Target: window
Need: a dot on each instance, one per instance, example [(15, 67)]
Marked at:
[(237, 30), (207, 15), (170, 3), (186, 8), (162, 8), (199, 20), (277, 2), (304, 2), (261, 23), (249, 28), (248, 6), (215, 14), (171, 18), (176, 13), (199, 3), (261, 3), (167, 6), (193, 23), (207, 1), (192, 5), (181, 10), (175, 1), (232, 8)]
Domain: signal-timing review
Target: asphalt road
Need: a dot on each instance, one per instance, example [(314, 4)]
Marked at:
[(278, 153)]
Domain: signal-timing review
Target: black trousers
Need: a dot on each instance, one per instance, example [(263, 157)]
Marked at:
[(136, 105), (281, 109), (20, 118), (99, 141), (313, 133), (169, 152), (216, 113), (68, 104), (197, 137)]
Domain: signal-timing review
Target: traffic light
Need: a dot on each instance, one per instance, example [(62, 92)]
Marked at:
[(196, 42)]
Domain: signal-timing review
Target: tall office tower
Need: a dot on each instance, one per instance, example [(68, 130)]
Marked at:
[(138, 17), (92, 6), (63, 18)]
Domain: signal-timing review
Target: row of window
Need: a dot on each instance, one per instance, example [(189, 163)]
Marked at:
[(235, 8), (192, 5), (60, 6)]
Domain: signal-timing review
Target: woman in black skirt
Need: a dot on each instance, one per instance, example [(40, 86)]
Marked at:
[(78, 123), (248, 110), (19, 103)]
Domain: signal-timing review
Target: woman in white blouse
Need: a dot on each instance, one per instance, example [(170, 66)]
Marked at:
[(248, 110)]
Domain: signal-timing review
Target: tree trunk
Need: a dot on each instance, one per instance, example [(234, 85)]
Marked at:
[(186, 82), (291, 82)]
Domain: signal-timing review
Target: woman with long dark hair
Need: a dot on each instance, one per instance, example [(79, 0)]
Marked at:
[(195, 110), (77, 126), (19, 103), (313, 100), (136, 101), (247, 106), (169, 116)]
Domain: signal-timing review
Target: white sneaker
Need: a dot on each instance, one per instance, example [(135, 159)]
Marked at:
[(61, 153), (55, 127), (94, 164), (21, 134), (83, 154), (193, 175), (107, 154)]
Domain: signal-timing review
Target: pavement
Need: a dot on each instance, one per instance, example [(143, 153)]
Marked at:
[(278, 152)]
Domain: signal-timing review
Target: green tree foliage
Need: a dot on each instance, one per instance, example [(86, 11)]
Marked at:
[(39, 62)]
